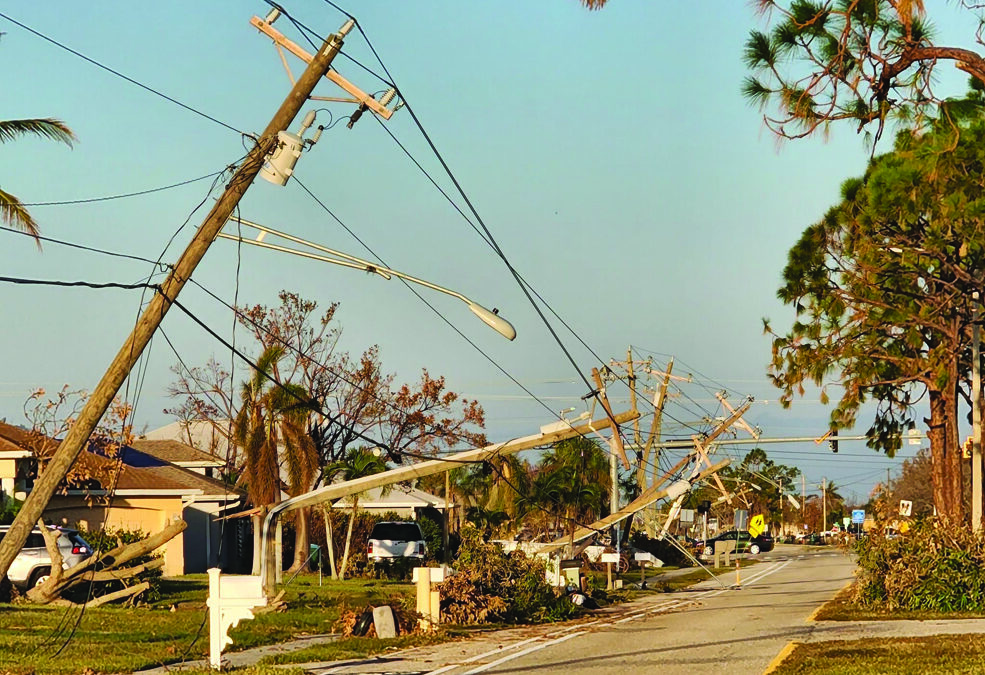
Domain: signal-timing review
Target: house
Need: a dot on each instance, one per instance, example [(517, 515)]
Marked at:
[(406, 502), (181, 454), (208, 437), (149, 492)]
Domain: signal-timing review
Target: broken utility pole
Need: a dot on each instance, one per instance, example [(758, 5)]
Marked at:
[(78, 435)]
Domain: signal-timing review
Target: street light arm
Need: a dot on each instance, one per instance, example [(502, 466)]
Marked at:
[(490, 317)]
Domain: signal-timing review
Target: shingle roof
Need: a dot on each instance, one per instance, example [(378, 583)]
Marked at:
[(176, 451), (140, 470)]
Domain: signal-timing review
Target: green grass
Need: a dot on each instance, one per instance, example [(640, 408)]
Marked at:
[(943, 654), (172, 628), (840, 608), (119, 640)]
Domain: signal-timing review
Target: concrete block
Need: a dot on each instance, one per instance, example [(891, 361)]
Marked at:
[(385, 622)]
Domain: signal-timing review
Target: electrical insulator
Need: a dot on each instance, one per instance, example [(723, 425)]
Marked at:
[(388, 96)]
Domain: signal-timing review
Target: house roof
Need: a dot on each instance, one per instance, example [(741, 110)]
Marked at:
[(399, 497), (177, 452), (140, 472), (145, 472)]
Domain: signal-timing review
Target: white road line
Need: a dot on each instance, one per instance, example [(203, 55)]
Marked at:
[(529, 650), (480, 657), (571, 628)]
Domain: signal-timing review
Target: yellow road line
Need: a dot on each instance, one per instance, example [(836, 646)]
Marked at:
[(781, 657), (813, 616)]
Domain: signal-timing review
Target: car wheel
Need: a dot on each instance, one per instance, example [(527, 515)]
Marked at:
[(39, 576), (754, 549)]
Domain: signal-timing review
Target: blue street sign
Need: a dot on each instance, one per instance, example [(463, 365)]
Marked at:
[(858, 516)]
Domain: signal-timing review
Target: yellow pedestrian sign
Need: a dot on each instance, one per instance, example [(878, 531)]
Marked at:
[(757, 525)]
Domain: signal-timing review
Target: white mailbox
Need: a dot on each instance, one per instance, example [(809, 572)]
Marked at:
[(232, 598), (645, 558)]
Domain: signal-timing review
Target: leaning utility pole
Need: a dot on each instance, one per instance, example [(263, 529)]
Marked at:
[(78, 435)]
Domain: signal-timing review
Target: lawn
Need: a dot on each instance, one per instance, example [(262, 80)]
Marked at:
[(840, 608), (117, 640), (174, 628), (938, 654)]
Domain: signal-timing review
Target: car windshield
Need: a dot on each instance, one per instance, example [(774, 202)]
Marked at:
[(396, 531)]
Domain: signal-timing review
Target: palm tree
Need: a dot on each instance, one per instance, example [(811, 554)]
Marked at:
[(12, 211), (271, 429), (357, 463), (572, 483)]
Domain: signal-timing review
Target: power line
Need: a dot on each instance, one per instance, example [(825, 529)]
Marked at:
[(126, 195), (121, 75), (82, 284)]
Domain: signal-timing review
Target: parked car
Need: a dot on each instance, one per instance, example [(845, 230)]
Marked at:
[(745, 543), (396, 539), (32, 566)]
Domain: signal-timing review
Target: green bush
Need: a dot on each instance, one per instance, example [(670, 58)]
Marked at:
[(492, 585), (934, 566)]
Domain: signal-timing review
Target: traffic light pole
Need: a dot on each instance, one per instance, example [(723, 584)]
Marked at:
[(80, 431)]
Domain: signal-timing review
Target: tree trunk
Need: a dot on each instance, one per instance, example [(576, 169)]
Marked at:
[(257, 528), (348, 536), (329, 538), (952, 451), (300, 540), (937, 435)]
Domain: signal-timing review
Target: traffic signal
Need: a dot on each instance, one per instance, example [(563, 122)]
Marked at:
[(966, 448), (704, 506), (833, 440)]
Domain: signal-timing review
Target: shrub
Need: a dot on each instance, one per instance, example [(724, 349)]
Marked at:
[(935, 566), (492, 585)]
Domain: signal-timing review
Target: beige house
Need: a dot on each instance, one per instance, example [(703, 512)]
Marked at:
[(150, 492)]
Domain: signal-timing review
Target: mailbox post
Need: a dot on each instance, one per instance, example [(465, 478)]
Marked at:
[(232, 599)]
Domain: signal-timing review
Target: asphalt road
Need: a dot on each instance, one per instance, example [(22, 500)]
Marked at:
[(712, 627)]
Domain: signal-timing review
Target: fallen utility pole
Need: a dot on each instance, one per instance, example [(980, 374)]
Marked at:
[(78, 434), (402, 473), (651, 495)]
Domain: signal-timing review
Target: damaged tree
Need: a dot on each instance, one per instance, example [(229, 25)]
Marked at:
[(105, 567)]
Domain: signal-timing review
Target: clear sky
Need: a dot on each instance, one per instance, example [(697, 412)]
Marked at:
[(610, 153)]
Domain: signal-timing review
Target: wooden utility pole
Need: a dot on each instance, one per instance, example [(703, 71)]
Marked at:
[(616, 442), (78, 434), (659, 400)]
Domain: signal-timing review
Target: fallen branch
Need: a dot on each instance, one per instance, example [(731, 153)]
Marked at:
[(124, 593)]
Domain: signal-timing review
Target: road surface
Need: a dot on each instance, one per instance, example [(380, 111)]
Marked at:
[(710, 626)]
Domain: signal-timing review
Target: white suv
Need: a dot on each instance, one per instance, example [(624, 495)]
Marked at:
[(396, 539), (33, 564)]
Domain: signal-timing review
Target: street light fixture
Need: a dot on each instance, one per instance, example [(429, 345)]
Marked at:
[(490, 317)]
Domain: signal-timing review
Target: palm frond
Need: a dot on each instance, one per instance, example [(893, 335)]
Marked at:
[(13, 212), (49, 128)]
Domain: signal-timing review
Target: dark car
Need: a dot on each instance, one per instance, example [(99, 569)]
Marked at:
[(745, 543)]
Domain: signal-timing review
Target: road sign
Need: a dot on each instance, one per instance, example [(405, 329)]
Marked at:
[(905, 507), (845, 521), (741, 521), (858, 516), (757, 525)]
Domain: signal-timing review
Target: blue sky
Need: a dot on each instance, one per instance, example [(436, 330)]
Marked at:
[(610, 153)]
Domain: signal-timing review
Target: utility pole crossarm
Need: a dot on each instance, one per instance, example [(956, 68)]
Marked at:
[(358, 95), (741, 423), (78, 434)]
